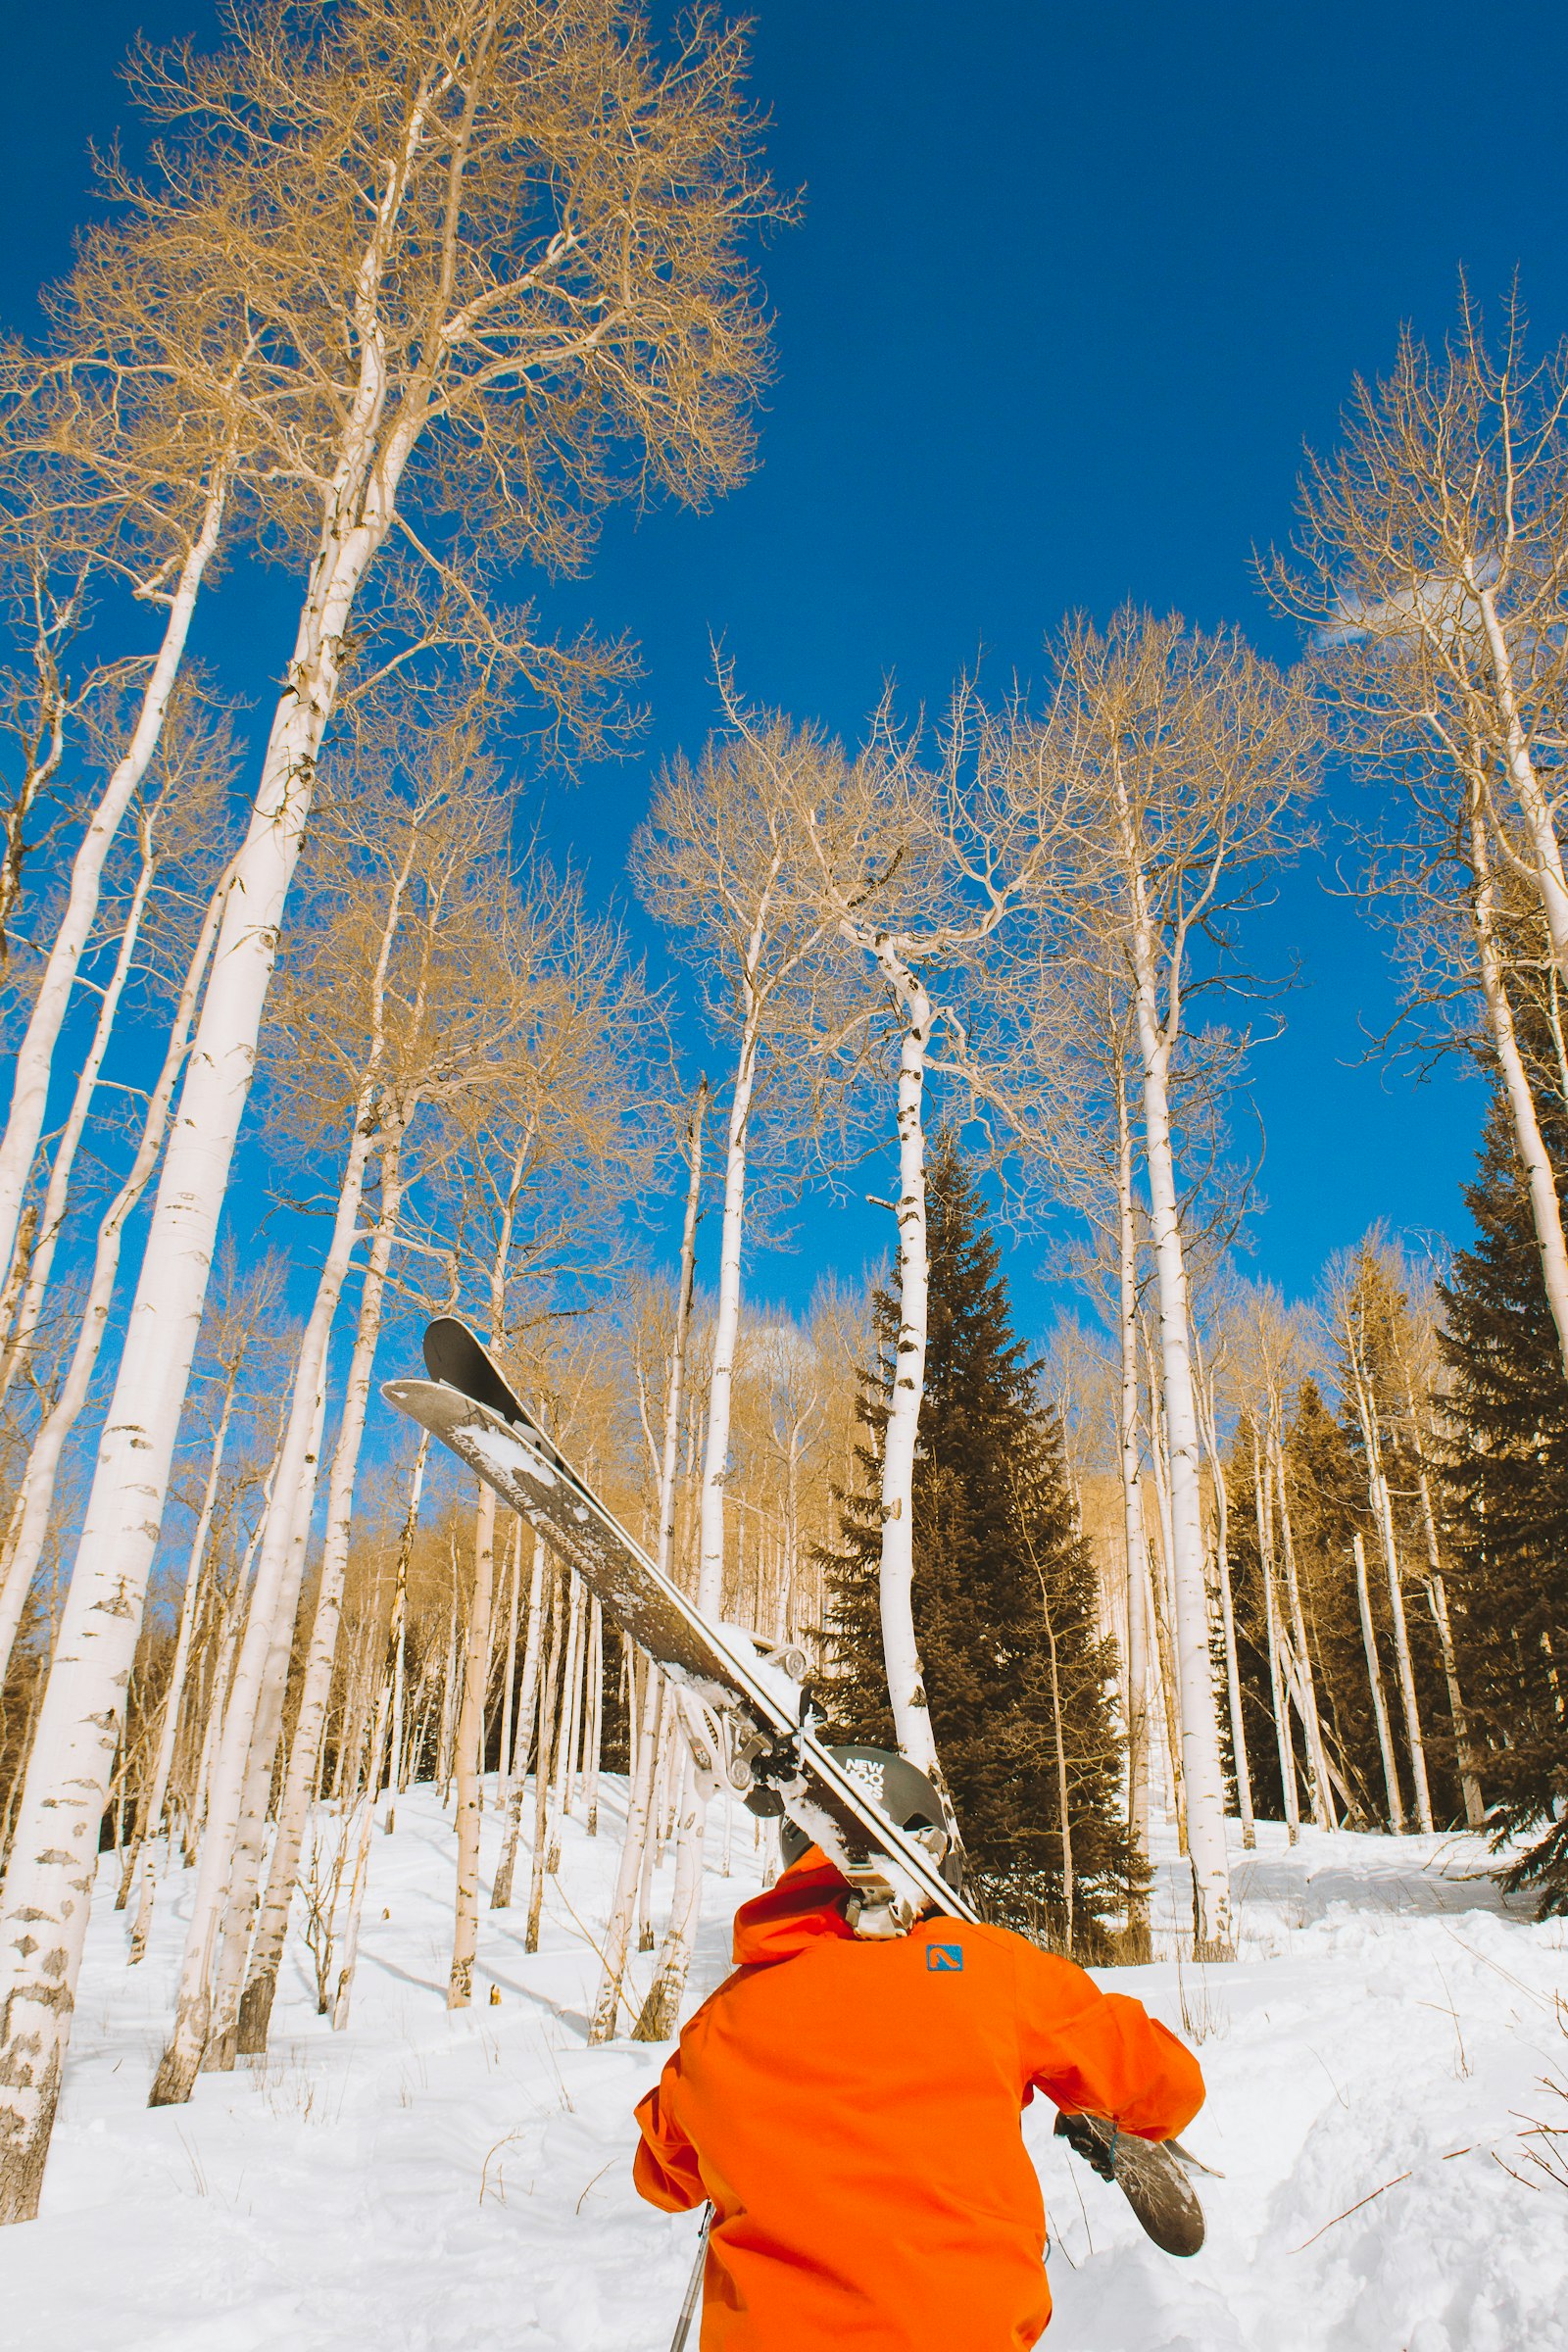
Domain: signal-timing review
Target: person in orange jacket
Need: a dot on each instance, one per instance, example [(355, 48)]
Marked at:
[(850, 2111)]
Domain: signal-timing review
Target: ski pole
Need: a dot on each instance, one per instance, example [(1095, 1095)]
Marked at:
[(688, 2310)]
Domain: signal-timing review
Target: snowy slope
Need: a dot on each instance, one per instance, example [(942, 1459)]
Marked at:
[(422, 2181)]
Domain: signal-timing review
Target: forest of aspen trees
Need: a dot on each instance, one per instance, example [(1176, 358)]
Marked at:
[(412, 294)]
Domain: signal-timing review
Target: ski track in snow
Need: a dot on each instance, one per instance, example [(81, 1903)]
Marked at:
[(424, 2181)]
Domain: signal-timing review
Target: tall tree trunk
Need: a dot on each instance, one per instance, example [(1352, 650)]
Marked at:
[(1317, 1763), (1374, 1676), (508, 1676), (660, 2011), (36, 1500), (1132, 1497), (29, 1089), (911, 1713), (470, 1762), (1540, 1182), (528, 1708), (639, 1802), (1201, 1775), (1406, 1669), (1264, 1508), (374, 1770), (180, 1666), (1474, 1810), (304, 1754), (548, 1737), (182, 2057), (249, 1840), (1227, 1607), (57, 1193), (1535, 804)]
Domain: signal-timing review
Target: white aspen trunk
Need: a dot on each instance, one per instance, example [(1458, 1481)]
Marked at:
[(727, 1330), (639, 1801), (305, 1755), (48, 1891), (470, 1760), (548, 1730), (1475, 1807), (1474, 1810), (250, 1839), (570, 1682), (593, 1720), (180, 1666), (1546, 1209), (1165, 1675), (911, 1715), (1533, 804), (501, 1892), (57, 1193), (579, 1707), (1374, 1676), (1132, 1497), (660, 2011), (1063, 1805), (218, 1700), (509, 1680), (373, 1787), (1201, 1777), (1317, 1763), (1285, 1746), (1406, 1669), (30, 1090), (48, 1449), (676, 1387), (1227, 1609), (1378, 1495), (193, 2015)]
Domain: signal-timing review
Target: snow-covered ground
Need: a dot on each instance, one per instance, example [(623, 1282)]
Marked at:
[(423, 2182)]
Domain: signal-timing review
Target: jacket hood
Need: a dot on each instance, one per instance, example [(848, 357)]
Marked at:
[(804, 1906)]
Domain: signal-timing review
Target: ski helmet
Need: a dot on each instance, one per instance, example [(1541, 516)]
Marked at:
[(906, 1795)]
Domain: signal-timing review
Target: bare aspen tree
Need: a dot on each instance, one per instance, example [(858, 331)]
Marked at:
[(1361, 1297), (1274, 1352), (918, 864), (1431, 564), (542, 302), (1414, 1346), (1432, 559), (1198, 752), (720, 863)]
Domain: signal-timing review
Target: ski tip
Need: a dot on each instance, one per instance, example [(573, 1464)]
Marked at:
[(1160, 2194), (444, 1336)]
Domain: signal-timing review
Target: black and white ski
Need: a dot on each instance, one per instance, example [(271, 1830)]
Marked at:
[(467, 1405)]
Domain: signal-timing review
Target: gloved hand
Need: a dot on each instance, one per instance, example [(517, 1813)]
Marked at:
[(1093, 2137)]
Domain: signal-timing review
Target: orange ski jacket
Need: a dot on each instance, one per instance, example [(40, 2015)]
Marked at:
[(850, 2109)]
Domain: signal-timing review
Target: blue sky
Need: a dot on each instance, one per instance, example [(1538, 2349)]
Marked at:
[(1071, 288)]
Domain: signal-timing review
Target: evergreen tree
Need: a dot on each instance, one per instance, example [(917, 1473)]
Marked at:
[(1506, 1483), (1003, 1580)]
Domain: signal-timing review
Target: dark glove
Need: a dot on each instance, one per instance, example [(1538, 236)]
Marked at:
[(1093, 2138)]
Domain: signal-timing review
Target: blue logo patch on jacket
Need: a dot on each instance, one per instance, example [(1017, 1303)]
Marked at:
[(945, 1959)]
